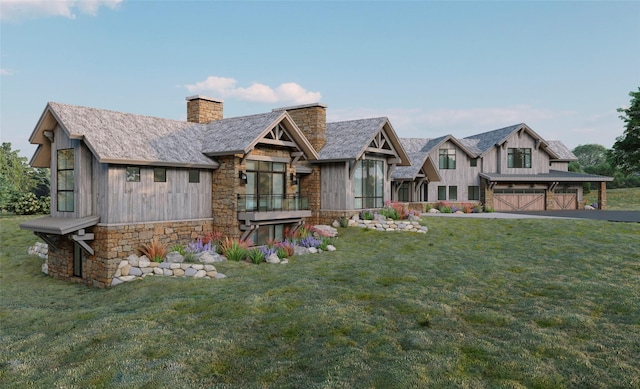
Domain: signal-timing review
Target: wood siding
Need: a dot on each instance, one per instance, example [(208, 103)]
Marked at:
[(539, 157), (83, 176), (463, 176), (176, 199), (337, 188)]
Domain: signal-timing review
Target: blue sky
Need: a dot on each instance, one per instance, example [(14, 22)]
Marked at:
[(434, 68)]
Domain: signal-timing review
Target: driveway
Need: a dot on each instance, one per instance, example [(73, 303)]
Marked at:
[(613, 216)]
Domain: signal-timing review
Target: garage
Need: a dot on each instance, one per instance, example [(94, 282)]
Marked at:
[(508, 200), (566, 199)]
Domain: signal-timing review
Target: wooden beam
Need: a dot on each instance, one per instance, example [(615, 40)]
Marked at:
[(47, 239), (85, 246), (275, 142), (380, 151)]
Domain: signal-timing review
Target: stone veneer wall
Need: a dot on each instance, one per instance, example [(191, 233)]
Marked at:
[(113, 243), (312, 121), (226, 185), (201, 109), (310, 188), (61, 260)]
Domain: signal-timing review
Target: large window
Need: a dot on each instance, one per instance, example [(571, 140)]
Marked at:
[(268, 233), (66, 180), (265, 185), (369, 184), (519, 158), (474, 192), (447, 158)]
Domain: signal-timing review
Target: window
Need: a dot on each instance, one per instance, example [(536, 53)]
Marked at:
[(519, 158), (403, 192), (159, 174), (474, 192), (453, 193), (269, 233), (133, 174), (66, 180), (442, 193), (194, 176), (447, 158), (369, 184), (265, 185), (473, 162)]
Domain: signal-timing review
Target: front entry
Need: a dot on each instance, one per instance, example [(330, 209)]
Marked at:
[(518, 200)]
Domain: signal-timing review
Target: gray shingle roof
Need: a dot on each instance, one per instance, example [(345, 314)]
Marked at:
[(413, 145), (226, 136), (116, 136), (552, 176), (348, 139), (486, 140), (563, 152), (409, 172)]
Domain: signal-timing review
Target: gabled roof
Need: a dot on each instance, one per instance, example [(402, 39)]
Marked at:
[(239, 135), (437, 142), (484, 142), (562, 151), (123, 138), (349, 140), (420, 160)]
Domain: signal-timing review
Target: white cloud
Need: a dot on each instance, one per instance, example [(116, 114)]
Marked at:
[(5, 72), (223, 87), (31, 9)]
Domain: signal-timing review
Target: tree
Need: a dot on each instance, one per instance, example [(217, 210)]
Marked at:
[(590, 155), (17, 179), (625, 153)]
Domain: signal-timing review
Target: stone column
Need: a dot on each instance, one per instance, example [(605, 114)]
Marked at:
[(602, 196)]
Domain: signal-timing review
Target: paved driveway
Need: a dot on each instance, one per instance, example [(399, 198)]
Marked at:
[(614, 216)]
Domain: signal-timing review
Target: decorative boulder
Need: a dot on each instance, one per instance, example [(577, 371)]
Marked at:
[(335, 224), (326, 230), (273, 258), (433, 210), (174, 257)]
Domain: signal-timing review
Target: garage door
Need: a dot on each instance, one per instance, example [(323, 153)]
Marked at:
[(518, 200), (566, 198)]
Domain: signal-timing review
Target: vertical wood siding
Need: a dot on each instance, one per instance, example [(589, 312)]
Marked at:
[(463, 176), (176, 199)]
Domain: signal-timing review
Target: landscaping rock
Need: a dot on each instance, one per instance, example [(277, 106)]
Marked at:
[(167, 272), (589, 208), (433, 210), (127, 278), (164, 265), (133, 260), (326, 230), (220, 275), (143, 262), (209, 268), (335, 224), (273, 258), (312, 250), (174, 257), (331, 247), (158, 270), (174, 266), (116, 281), (178, 272), (197, 266), (190, 272), (200, 274), (125, 270), (45, 268), (135, 271)]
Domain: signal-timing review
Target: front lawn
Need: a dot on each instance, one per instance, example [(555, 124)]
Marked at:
[(474, 303)]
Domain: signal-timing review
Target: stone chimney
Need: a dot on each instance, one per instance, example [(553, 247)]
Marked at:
[(203, 109), (311, 119)]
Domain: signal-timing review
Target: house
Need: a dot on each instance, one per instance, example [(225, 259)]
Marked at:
[(120, 180), (508, 169)]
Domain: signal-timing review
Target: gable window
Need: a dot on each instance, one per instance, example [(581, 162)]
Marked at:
[(159, 174), (474, 192), (442, 193), (133, 174), (194, 176), (519, 158), (473, 162), (447, 158), (369, 184), (265, 185), (453, 193), (65, 195)]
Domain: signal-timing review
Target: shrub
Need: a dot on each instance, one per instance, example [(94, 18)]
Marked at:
[(199, 246), (366, 215), (25, 204), (344, 222), (325, 242), (285, 249), (179, 248), (268, 251), (390, 213), (427, 207), (445, 209), (45, 204), (155, 251), (256, 256), (213, 237), (189, 256), (234, 249), (477, 208)]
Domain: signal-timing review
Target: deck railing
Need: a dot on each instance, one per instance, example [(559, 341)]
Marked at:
[(255, 203)]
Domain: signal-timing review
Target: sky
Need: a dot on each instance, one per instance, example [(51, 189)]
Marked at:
[(434, 68)]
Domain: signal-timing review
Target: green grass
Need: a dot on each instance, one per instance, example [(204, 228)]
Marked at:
[(625, 199), (475, 303)]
